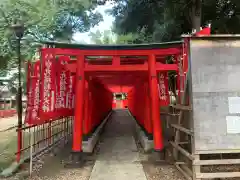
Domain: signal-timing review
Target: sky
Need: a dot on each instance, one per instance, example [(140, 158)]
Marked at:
[(106, 24)]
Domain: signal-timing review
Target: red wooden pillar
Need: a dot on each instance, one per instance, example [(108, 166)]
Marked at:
[(79, 106), (155, 108), (90, 111), (148, 122), (86, 123)]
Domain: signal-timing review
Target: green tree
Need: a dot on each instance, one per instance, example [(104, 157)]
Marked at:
[(43, 20), (165, 20), (109, 37), (96, 37)]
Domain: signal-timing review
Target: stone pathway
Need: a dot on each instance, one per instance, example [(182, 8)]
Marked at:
[(118, 158)]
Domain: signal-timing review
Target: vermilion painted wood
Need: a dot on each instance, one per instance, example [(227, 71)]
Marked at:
[(122, 68), (147, 113), (76, 52), (90, 112), (100, 87), (116, 61), (79, 106), (121, 82), (155, 114), (86, 121), (101, 101)]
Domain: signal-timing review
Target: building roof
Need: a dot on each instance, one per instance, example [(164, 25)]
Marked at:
[(113, 46)]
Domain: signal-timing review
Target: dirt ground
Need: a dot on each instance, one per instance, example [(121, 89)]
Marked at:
[(156, 169), (51, 166), (6, 123), (8, 141)]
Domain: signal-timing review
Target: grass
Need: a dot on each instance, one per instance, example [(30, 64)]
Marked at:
[(8, 147), (8, 142)]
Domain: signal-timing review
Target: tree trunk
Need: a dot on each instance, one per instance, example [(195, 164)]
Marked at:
[(196, 14)]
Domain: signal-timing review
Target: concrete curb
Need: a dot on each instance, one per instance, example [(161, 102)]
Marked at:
[(89, 145), (147, 144)]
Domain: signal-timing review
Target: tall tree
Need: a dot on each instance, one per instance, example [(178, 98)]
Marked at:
[(43, 20), (109, 37), (164, 20)]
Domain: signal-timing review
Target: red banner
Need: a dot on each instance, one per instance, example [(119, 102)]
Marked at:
[(48, 86), (163, 89), (71, 94), (64, 88), (33, 87), (54, 96)]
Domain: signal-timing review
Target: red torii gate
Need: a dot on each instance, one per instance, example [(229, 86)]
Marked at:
[(121, 60)]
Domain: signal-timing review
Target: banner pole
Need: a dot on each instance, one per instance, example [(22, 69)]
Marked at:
[(31, 152)]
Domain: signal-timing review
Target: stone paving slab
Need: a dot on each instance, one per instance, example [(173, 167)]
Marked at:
[(118, 158)]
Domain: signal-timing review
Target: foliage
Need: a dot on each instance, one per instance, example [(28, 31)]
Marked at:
[(99, 37), (109, 37), (43, 20), (165, 20)]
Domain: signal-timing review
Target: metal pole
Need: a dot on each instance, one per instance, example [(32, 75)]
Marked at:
[(18, 29), (19, 83), (19, 100)]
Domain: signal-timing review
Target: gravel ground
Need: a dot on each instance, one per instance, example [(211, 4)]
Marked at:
[(51, 167), (161, 172), (156, 169)]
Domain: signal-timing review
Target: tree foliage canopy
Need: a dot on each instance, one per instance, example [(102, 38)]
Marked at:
[(43, 20), (109, 37), (165, 20)]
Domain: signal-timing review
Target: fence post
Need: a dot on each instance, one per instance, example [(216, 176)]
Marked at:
[(19, 144), (49, 133)]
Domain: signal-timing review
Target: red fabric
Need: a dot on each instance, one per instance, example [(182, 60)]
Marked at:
[(33, 95), (205, 31), (163, 89), (64, 104), (71, 94), (48, 87), (57, 88)]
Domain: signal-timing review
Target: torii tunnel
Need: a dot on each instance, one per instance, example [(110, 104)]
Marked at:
[(103, 70)]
